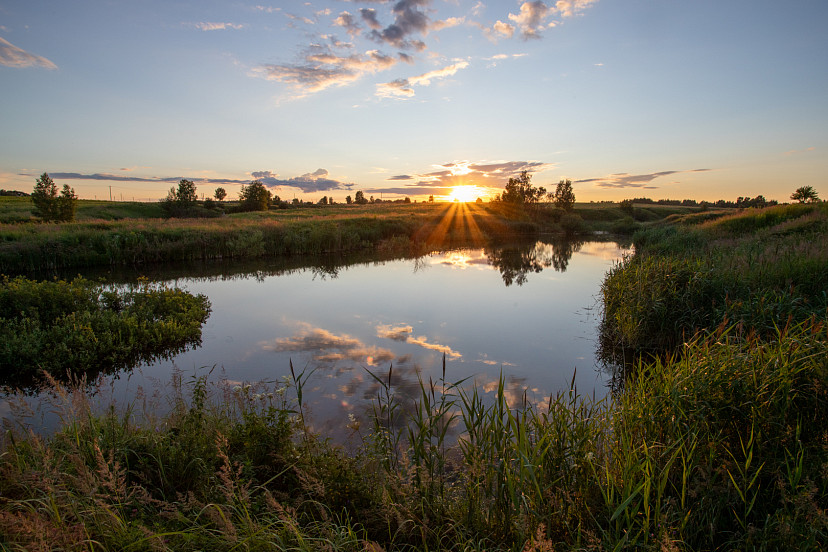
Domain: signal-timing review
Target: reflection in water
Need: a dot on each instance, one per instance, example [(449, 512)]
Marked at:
[(370, 312), (515, 262)]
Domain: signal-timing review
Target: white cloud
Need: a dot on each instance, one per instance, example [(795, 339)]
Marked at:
[(206, 26), (403, 87), (531, 18), (12, 56)]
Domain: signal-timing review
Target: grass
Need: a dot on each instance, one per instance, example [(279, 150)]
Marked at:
[(757, 270), (60, 327), (120, 234), (721, 447)]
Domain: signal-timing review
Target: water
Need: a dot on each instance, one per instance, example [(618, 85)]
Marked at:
[(528, 311)]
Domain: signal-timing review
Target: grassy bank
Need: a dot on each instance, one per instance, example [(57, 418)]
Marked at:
[(111, 240), (758, 270), (722, 448), (81, 328)]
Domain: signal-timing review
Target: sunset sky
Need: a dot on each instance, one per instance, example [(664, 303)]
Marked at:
[(709, 99)]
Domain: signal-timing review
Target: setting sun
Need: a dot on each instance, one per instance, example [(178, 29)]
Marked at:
[(464, 193)]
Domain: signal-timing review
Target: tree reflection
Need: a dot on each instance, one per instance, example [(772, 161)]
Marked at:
[(515, 262)]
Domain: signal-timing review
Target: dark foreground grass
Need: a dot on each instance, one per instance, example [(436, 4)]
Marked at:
[(723, 447)]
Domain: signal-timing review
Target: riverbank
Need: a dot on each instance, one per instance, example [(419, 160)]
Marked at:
[(108, 234), (721, 448)]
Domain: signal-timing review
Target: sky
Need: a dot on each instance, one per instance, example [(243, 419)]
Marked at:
[(705, 100)]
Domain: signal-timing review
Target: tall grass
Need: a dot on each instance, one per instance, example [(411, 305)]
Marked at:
[(722, 447), (757, 269)]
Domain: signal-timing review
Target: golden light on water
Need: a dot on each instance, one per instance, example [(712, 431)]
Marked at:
[(464, 194)]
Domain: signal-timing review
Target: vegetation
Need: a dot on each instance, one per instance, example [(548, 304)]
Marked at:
[(51, 207), (757, 269), (564, 196), (82, 328), (805, 194), (720, 448), (255, 197)]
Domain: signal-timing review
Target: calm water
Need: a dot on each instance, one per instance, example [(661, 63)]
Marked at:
[(528, 311)]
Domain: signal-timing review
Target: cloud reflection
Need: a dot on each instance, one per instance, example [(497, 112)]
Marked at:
[(404, 334), (328, 347)]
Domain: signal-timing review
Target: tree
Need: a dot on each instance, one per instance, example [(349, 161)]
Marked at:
[(48, 205), (359, 199), (805, 194), (180, 201), (431, 199), (323, 201), (564, 196), (519, 190), (255, 197), (220, 194), (348, 200)]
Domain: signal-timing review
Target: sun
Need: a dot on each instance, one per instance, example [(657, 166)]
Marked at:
[(464, 194)]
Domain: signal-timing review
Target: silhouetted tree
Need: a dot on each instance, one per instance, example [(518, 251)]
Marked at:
[(348, 200), (220, 194), (564, 196), (359, 199), (805, 194), (50, 206), (323, 201), (519, 190), (255, 197)]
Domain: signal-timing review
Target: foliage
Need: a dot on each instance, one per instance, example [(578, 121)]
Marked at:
[(51, 207), (805, 194), (220, 194), (359, 198), (255, 197), (720, 448), (519, 190), (564, 195), (181, 201), (756, 269), (81, 328)]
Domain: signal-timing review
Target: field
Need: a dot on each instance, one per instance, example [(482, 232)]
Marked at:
[(108, 233)]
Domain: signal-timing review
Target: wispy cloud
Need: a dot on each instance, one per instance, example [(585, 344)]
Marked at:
[(409, 19), (12, 56), (626, 180), (485, 175), (207, 26), (404, 87), (347, 22), (316, 181), (405, 334), (322, 70)]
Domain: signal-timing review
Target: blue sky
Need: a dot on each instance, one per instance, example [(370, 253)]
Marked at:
[(658, 98)]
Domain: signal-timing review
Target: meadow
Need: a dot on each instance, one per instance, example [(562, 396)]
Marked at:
[(715, 438), (133, 234)]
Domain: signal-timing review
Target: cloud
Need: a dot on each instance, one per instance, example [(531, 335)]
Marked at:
[(626, 180), (325, 69), (328, 347), (569, 8), (205, 26), (12, 56), (403, 87), (447, 23), (404, 334), (531, 18), (408, 20), (347, 21), (795, 152), (369, 15), (486, 175), (316, 181)]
